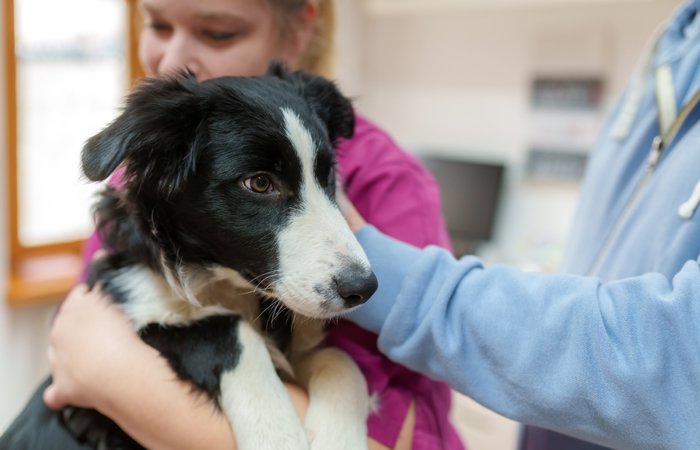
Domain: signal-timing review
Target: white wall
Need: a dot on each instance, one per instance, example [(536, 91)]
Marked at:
[(456, 80), (460, 79)]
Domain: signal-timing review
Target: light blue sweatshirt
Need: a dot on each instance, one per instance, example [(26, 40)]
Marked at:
[(606, 351)]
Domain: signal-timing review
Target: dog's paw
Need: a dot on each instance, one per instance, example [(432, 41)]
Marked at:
[(336, 418)]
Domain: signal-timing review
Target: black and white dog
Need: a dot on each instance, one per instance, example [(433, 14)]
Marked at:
[(226, 230)]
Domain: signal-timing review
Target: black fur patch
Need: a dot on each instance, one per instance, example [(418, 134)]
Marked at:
[(277, 322), (200, 352)]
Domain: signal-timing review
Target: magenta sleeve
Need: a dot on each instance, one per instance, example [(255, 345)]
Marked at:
[(391, 189)]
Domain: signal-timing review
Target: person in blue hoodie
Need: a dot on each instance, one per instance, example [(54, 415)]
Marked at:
[(607, 350)]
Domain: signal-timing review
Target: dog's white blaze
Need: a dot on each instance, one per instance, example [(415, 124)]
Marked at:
[(255, 401), (317, 242)]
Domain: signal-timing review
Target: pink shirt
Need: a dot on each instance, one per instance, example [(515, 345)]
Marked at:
[(396, 194)]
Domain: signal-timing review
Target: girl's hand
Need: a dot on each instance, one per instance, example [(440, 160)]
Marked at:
[(352, 216), (98, 361), (89, 337)]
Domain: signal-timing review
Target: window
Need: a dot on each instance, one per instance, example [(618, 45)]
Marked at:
[(69, 64)]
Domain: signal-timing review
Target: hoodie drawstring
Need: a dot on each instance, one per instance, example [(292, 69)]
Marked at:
[(687, 209)]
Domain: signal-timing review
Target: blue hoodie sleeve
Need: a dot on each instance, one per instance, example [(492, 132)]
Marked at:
[(617, 364)]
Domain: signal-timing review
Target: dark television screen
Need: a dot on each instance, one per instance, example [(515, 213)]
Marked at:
[(470, 194)]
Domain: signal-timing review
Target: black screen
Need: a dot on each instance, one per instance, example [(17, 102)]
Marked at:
[(470, 194)]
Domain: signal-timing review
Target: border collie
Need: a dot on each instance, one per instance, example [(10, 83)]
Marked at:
[(227, 250)]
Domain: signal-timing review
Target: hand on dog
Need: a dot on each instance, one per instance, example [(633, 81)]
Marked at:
[(352, 216), (88, 335)]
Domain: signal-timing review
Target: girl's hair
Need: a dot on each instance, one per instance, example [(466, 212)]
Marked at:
[(318, 58)]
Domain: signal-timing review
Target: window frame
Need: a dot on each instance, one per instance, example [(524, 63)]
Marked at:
[(27, 282)]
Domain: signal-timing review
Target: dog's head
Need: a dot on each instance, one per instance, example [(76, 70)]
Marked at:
[(236, 175)]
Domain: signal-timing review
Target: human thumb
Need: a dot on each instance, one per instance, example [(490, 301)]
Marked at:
[(52, 398)]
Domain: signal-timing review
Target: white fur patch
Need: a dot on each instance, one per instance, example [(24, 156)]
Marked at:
[(217, 291), (188, 282), (150, 299), (317, 243), (338, 401), (255, 401), (375, 403)]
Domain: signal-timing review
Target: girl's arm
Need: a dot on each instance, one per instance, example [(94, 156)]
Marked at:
[(613, 363)]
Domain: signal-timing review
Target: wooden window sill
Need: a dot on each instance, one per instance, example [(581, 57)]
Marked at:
[(43, 279)]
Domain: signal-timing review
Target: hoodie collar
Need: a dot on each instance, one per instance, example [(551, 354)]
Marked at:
[(683, 29)]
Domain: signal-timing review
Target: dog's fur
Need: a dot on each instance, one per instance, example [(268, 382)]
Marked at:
[(226, 247)]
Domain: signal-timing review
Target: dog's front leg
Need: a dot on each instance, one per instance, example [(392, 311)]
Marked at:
[(257, 403), (338, 401)]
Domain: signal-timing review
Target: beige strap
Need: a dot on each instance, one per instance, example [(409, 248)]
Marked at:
[(670, 134), (665, 99)]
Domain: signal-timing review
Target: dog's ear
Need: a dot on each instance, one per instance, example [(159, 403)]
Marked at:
[(334, 109), (155, 135)]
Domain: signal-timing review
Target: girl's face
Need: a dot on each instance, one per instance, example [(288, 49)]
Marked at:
[(213, 38)]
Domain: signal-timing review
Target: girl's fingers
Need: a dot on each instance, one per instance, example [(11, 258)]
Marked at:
[(51, 398)]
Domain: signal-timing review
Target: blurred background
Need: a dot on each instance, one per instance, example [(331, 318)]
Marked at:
[(502, 99)]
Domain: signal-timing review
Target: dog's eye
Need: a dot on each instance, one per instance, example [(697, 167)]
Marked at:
[(260, 184)]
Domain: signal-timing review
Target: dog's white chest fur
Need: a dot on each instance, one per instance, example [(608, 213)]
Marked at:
[(252, 395)]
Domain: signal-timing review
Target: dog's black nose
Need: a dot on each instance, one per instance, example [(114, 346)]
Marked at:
[(355, 285)]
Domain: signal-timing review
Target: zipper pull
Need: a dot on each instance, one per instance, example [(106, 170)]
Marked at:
[(657, 146)]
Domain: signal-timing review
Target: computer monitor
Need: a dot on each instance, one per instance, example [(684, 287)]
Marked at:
[(470, 193)]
